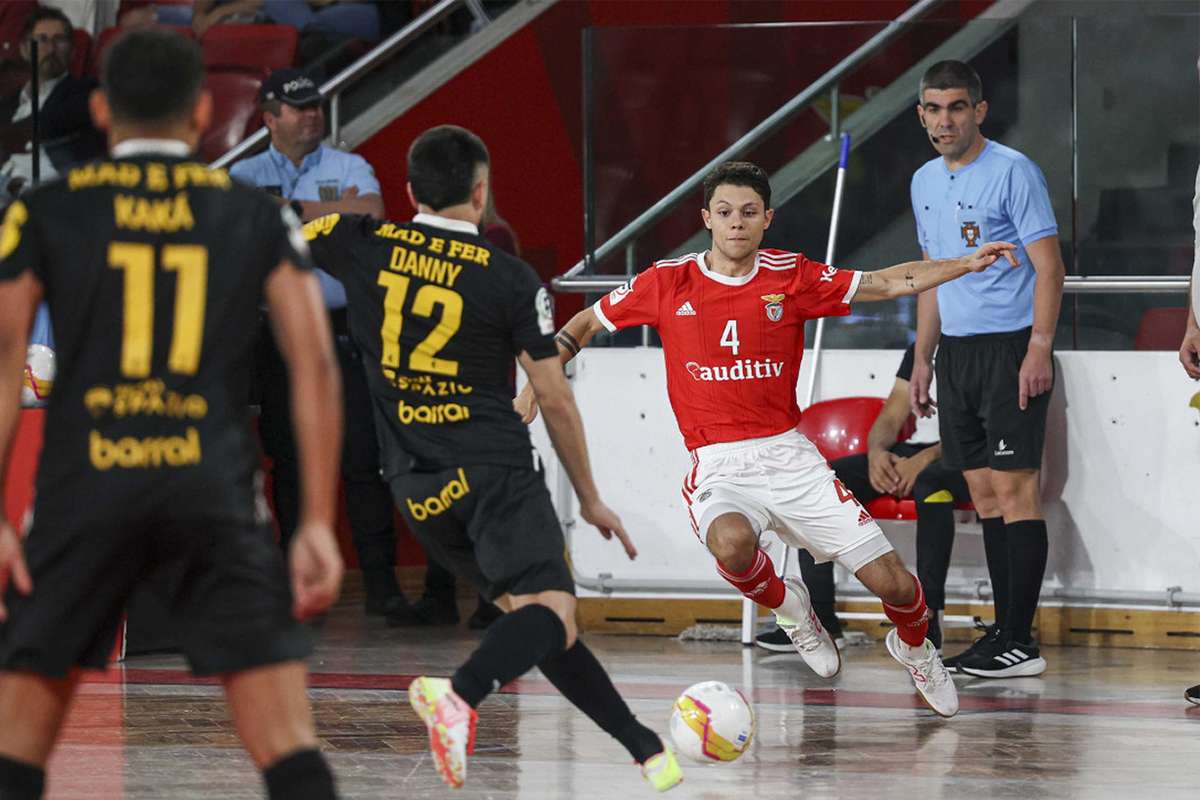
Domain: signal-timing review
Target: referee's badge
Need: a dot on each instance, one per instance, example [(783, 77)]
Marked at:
[(970, 233), (774, 306)]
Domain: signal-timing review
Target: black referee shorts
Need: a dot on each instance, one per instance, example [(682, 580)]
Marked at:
[(230, 607), (978, 394), (492, 525)]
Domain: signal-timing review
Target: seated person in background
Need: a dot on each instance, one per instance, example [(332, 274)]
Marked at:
[(65, 127), (207, 13), (901, 469), (355, 19), (199, 15)]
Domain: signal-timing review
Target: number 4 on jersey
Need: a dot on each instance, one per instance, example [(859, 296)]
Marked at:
[(729, 338)]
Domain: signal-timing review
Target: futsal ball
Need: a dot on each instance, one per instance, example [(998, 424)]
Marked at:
[(39, 376), (712, 722)]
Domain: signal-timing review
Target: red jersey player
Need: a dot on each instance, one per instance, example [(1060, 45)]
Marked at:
[(732, 327)]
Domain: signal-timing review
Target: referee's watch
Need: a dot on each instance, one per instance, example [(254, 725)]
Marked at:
[(298, 208)]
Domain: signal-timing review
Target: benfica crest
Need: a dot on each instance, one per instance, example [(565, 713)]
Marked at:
[(774, 306)]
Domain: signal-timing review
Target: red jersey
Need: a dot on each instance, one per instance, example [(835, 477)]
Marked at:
[(732, 345)]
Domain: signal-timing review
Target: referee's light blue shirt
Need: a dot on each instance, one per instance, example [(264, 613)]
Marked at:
[(325, 174), (1000, 196)]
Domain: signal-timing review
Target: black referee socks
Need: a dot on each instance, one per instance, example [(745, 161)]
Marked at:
[(1028, 546), (303, 775), (582, 680), (511, 647), (995, 548), (20, 781)]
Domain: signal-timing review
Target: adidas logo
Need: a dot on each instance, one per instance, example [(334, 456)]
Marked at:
[(864, 518), (686, 310), (1012, 657)]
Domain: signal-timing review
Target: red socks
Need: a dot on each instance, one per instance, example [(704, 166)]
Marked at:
[(912, 622), (760, 583)]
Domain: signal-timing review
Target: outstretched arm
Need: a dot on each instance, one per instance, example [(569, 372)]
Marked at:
[(914, 277), (565, 427)]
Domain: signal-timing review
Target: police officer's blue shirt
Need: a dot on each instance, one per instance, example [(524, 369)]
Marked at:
[(1000, 196), (42, 332), (324, 174)]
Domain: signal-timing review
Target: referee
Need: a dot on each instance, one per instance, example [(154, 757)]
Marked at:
[(994, 366)]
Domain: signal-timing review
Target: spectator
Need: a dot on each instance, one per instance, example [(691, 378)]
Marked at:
[(92, 16), (207, 13), (315, 180), (903, 469), (994, 368), (199, 15), (65, 127), (342, 18)]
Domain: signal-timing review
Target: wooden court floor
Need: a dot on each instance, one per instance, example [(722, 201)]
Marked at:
[(1101, 723)]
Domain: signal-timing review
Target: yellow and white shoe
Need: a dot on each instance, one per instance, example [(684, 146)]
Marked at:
[(662, 771), (451, 723)]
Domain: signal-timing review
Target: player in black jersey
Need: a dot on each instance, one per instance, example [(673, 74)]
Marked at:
[(154, 268), (439, 315)]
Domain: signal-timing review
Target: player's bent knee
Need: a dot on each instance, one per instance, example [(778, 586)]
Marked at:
[(732, 541), (563, 605)]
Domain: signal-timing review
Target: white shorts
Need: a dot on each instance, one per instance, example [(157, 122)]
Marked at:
[(783, 483)]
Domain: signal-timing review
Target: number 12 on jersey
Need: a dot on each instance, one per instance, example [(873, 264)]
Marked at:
[(424, 355)]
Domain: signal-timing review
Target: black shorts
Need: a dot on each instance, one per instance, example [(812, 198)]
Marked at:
[(978, 393), (494, 526), (228, 597)]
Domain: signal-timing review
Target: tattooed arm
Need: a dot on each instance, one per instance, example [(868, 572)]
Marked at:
[(914, 277)]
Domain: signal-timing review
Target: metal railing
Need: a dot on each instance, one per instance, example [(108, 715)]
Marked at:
[(1074, 284), (826, 83), (332, 89)]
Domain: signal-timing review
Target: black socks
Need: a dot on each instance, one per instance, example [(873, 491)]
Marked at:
[(20, 781), (582, 680), (512, 645), (303, 775), (995, 547), (1028, 546)]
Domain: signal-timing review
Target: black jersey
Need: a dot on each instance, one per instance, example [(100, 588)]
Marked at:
[(153, 268), (439, 315)]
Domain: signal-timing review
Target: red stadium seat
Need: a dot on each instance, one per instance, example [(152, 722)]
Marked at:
[(12, 21), (235, 110), (81, 52), (106, 37), (1161, 329), (840, 427), (250, 46)]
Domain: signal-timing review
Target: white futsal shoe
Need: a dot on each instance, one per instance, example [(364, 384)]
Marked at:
[(929, 674), (808, 635)]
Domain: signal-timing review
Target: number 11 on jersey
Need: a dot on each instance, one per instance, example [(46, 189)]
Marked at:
[(729, 338)]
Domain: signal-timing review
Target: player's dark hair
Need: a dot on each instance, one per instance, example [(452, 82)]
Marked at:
[(152, 76), (442, 163), (40, 13), (738, 173), (952, 75)]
